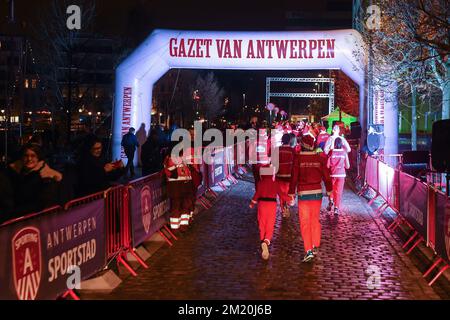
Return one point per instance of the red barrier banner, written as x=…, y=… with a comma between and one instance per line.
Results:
x=431, y=204
x=240, y=152
x=413, y=204
x=372, y=173
x=39, y=253
x=149, y=208
x=442, y=226
x=229, y=160
x=388, y=184
x=216, y=172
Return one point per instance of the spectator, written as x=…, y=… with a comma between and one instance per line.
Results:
x=33, y=184
x=129, y=144
x=94, y=173
x=151, y=157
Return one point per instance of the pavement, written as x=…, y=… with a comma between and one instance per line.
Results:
x=219, y=258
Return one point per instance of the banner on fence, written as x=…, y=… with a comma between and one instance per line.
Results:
x=413, y=204
x=149, y=208
x=442, y=226
x=44, y=255
x=388, y=184
x=216, y=172
x=230, y=162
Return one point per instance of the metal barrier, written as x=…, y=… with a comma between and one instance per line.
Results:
x=420, y=206
x=115, y=206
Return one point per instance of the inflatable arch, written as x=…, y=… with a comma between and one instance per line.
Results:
x=285, y=50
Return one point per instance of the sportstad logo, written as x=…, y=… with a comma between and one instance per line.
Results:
x=27, y=266
x=146, y=207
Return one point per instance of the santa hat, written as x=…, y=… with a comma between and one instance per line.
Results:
x=307, y=142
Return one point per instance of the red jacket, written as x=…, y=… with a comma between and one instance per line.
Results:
x=176, y=172
x=322, y=139
x=338, y=162
x=259, y=150
x=285, y=160
x=308, y=171
x=267, y=190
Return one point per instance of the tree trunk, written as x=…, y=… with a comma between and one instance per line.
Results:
x=446, y=94
x=413, y=118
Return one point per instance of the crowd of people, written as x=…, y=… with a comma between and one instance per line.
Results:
x=308, y=157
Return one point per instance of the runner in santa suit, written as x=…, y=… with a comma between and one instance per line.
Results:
x=260, y=152
x=308, y=171
x=179, y=189
x=283, y=176
x=337, y=162
x=322, y=138
x=330, y=141
x=266, y=198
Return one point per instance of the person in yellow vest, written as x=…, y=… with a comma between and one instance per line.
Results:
x=179, y=189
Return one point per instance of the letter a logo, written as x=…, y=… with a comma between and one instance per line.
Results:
x=26, y=253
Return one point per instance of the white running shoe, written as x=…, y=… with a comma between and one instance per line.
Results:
x=309, y=256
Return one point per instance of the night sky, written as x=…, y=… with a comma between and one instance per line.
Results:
x=135, y=19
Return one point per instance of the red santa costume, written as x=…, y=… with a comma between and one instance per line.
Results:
x=338, y=162
x=322, y=138
x=283, y=176
x=308, y=171
x=260, y=152
x=179, y=190
x=266, y=198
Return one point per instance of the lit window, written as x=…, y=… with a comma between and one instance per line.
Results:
x=27, y=84
x=33, y=83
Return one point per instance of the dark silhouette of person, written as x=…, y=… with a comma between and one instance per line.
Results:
x=130, y=144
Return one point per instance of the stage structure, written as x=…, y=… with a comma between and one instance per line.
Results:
x=329, y=95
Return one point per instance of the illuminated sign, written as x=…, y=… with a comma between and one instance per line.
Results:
x=166, y=49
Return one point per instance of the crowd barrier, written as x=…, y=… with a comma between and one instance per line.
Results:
x=422, y=207
x=91, y=232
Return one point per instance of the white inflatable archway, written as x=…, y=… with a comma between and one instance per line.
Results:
x=285, y=50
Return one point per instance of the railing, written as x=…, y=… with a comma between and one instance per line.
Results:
x=420, y=206
x=92, y=231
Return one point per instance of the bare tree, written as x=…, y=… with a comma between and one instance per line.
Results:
x=211, y=95
x=403, y=50
x=57, y=46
